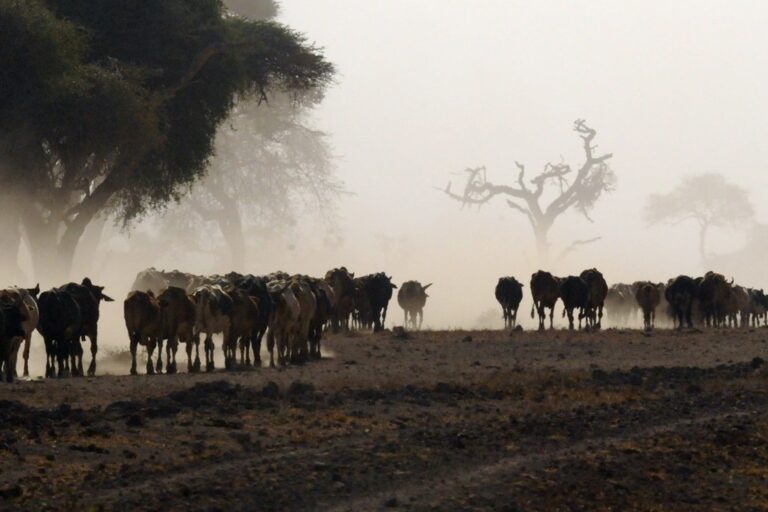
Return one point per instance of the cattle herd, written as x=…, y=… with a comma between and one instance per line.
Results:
x=294, y=311
x=710, y=300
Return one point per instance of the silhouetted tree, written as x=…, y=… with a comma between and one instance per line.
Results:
x=707, y=199
x=573, y=189
x=269, y=167
x=114, y=106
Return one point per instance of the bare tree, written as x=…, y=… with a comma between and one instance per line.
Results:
x=707, y=199
x=578, y=189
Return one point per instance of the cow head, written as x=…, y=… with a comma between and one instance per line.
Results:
x=97, y=291
x=34, y=291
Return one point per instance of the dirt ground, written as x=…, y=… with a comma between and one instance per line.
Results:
x=449, y=420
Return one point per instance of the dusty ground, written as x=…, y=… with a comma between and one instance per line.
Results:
x=442, y=421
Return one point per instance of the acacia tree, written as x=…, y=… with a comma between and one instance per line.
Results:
x=113, y=106
x=269, y=165
x=555, y=190
x=707, y=199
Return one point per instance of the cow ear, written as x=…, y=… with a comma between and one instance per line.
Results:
x=393, y=285
x=34, y=291
x=352, y=274
x=107, y=298
x=427, y=286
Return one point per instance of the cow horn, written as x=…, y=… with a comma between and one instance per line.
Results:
x=731, y=280
x=426, y=286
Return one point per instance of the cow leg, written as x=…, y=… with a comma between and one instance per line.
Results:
x=150, y=344
x=49, y=357
x=94, y=348
x=159, y=366
x=271, y=347
x=208, y=346
x=256, y=342
x=133, y=343
x=552, y=317
x=27, y=343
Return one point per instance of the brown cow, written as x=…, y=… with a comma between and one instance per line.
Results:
x=245, y=316
x=178, y=313
x=341, y=282
x=144, y=322
x=545, y=290
x=648, y=297
x=26, y=299
x=284, y=322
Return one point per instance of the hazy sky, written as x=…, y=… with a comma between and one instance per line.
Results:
x=427, y=88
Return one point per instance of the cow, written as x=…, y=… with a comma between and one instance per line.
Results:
x=598, y=290
x=621, y=304
x=738, y=307
x=178, y=315
x=26, y=299
x=244, y=328
x=545, y=290
x=343, y=286
x=59, y=325
x=714, y=294
x=88, y=297
x=150, y=279
x=378, y=290
x=757, y=306
x=213, y=310
x=325, y=300
x=648, y=297
x=299, y=347
x=256, y=287
x=681, y=293
x=144, y=322
x=362, y=317
x=412, y=297
x=509, y=293
x=12, y=333
x=574, y=293
x=283, y=322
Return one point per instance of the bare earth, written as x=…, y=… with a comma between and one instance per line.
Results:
x=442, y=421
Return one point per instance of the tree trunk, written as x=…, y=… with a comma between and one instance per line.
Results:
x=703, y=241
x=10, y=234
x=231, y=225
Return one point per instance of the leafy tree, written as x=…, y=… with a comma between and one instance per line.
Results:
x=554, y=191
x=114, y=106
x=707, y=199
x=269, y=165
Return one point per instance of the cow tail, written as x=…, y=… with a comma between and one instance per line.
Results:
x=532, y=307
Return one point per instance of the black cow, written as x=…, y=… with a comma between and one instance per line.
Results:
x=378, y=290
x=256, y=287
x=575, y=295
x=545, y=289
x=509, y=293
x=59, y=325
x=88, y=297
x=11, y=335
x=598, y=291
x=680, y=293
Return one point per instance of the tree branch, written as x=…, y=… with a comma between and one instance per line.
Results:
x=576, y=245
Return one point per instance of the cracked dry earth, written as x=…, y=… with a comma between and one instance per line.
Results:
x=443, y=421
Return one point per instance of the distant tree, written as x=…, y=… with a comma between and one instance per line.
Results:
x=554, y=191
x=707, y=199
x=269, y=166
x=114, y=106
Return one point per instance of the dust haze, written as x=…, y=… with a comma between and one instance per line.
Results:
x=426, y=89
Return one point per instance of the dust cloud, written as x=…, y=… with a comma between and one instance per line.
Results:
x=426, y=89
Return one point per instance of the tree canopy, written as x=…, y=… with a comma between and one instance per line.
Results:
x=708, y=199
x=116, y=105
